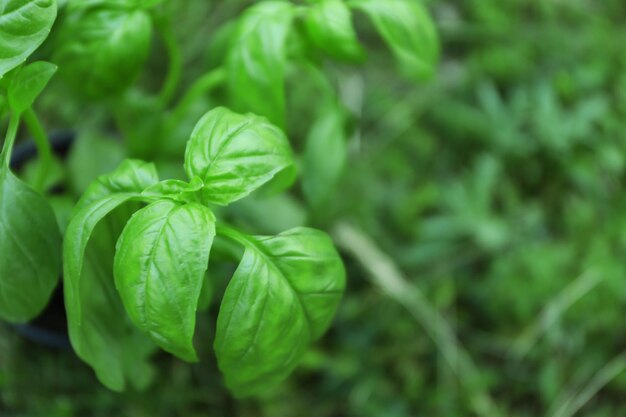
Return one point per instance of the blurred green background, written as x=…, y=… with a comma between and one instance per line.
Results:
x=481, y=220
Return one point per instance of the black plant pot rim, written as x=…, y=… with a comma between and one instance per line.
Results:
x=36, y=331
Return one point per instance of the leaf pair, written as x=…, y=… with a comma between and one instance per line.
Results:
x=163, y=252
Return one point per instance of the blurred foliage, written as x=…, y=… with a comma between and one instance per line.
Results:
x=496, y=188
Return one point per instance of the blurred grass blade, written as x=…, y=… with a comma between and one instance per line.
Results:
x=386, y=275
x=553, y=311
x=603, y=377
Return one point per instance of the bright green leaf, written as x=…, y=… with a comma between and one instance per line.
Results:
x=162, y=256
x=27, y=83
x=30, y=259
x=282, y=297
x=408, y=30
x=329, y=26
x=256, y=62
x=235, y=154
x=24, y=25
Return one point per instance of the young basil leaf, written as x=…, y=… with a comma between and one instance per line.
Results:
x=256, y=62
x=106, y=339
x=235, y=154
x=101, y=51
x=110, y=191
x=408, y=30
x=162, y=256
x=283, y=296
x=24, y=25
x=27, y=83
x=30, y=261
x=325, y=155
x=329, y=26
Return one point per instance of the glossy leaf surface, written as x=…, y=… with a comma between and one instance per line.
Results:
x=283, y=296
x=30, y=259
x=24, y=25
x=235, y=154
x=160, y=264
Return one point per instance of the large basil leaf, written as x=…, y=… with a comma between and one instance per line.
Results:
x=30, y=259
x=329, y=26
x=325, y=155
x=103, y=196
x=101, y=51
x=256, y=62
x=162, y=256
x=235, y=154
x=408, y=30
x=283, y=296
x=24, y=25
x=106, y=338
x=27, y=83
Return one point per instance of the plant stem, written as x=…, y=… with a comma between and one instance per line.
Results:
x=201, y=86
x=386, y=275
x=43, y=147
x=175, y=62
x=9, y=139
x=234, y=234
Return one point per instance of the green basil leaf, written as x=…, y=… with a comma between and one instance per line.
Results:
x=282, y=296
x=329, y=26
x=235, y=154
x=27, y=83
x=408, y=30
x=256, y=62
x=30, y=261
x=24, y=25
x=106, y=339
x=162, y=256
x=324, y=156
x=107, y=193
x=101, y=51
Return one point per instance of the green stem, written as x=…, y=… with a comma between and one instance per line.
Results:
x=175, y=62
x=235, y=235
x=43, y=147
x=201, y=86
x=9, y=139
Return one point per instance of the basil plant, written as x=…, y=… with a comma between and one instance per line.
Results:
x=281, y=298
x=30, y=240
